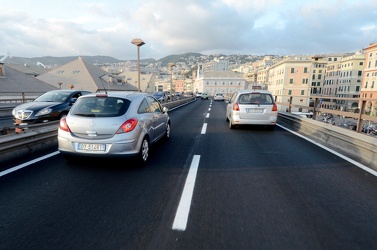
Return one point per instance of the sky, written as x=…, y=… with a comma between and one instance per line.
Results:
x=37, y=28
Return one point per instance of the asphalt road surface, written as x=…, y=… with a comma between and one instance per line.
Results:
x=208, y=187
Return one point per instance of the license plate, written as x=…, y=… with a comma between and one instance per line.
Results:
x=254, y=110
x=92, y=147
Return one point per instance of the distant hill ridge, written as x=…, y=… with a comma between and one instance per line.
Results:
x=99, y=60
x=103, y=60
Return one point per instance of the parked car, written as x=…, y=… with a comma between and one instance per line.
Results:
x=113, y=124
x=47, y=107
x=204, y=96
x=160, y=96
x=252, y=107
x=219, y=97
x=198, y=94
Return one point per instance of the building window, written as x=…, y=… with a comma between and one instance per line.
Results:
x=302, y=92
x=305, y=70
x=289, y=92
x=291, y=81
x=357, y=88
x=292, y=70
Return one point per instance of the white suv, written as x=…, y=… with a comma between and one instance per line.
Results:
x=252, y=107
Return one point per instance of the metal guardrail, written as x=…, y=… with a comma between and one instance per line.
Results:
x=360, y=147
x=318, y=105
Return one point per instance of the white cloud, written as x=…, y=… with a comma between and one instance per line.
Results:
x=94, y=27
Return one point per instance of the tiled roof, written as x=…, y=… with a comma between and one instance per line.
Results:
x=15, y=82
x=83, y=76
x=147, y=81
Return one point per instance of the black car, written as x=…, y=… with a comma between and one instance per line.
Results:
x=49, y=106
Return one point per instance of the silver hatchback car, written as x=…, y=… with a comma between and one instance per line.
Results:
x=252, y=107
x=113, y=124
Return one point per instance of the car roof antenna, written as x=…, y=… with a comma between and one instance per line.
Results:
x=102, y=83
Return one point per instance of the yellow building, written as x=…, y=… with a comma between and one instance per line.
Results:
x=291, y=77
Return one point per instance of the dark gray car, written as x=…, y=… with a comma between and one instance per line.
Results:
x=50, y=106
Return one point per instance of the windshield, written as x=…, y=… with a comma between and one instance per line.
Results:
x=53, y=97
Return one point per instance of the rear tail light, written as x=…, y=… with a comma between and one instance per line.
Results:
x=63, y=124
x=274, y=107
x=236, y=107
x=127, y=126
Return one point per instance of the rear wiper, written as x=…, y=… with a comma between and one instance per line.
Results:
x=87, y=115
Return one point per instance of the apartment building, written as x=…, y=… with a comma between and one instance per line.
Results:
x=369, y=82
x=262, y=76
x=291, y=78
x=350, y=78
x=216, y=65
x=332, y=79
x=318, y=72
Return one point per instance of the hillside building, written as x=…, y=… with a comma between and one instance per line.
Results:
x=369, y=82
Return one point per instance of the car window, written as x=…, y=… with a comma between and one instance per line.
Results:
x=255, y=98
x=144, y=107
x=100, y=106
x=53, y=97
x=154, y=105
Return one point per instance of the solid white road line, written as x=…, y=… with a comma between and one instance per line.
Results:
x=373, y=172
x=8, y=171
x=204, y=128
x=181, y=216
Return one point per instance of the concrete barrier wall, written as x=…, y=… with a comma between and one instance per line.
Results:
x=360, y=147
x=357, y=146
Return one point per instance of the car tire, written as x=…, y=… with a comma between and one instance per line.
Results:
x=231, y=125
x=144, y=151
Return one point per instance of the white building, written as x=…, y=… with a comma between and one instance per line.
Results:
x=212, y=82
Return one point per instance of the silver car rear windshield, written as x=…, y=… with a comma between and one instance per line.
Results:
x=255, y=98
x=100, y=107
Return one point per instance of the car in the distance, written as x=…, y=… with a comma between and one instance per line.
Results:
x=113, y=124
x=218, y=97
x=49, y=106
x=252, y=107
x=160, y=96
x=204, y=96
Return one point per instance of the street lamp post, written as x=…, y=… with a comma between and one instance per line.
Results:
x=138, y=42
x=171, y=65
